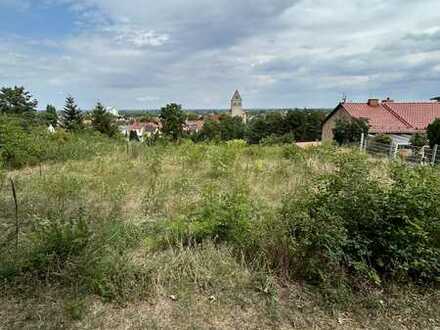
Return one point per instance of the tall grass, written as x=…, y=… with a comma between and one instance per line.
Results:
x=130, y=221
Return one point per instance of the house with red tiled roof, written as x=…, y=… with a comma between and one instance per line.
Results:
x=193, y=126
x=141, y=130
x=385, y=117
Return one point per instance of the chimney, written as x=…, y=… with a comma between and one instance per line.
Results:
x=373, y=102
x=388, y=100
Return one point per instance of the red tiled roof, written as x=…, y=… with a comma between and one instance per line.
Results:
x=417, y=115
x=194, y=124
x=395, y=117
x=135, y=125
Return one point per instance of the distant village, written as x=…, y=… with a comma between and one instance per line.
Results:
x=399, y=120
x=147, y=126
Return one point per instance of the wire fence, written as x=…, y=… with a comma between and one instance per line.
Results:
x=406, y=153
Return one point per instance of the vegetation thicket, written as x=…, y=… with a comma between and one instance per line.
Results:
x=226, y=224
x=105, y=233
x=350, y=131
x=433, y=133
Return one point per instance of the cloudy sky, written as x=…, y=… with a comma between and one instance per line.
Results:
x=278, y=53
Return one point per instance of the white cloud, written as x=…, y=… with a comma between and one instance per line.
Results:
x=279, y=52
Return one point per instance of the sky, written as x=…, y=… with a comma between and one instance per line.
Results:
x=143, y=54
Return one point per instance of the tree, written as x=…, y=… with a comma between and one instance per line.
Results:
x=419, y=140
x=265, y=125
x=103, y=121
x=17, y=101
x=210, y=130
x=433, y=133
x=50, y=115
x=232, y=128
x=349, y=131
x=133, y=136
x=172, y=118
x=72, y=116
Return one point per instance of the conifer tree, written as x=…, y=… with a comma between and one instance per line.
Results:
x=72, y=116
x=103, y=121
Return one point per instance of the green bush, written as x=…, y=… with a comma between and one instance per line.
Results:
x=350, y=131
x=419, y=140
x=222, y=217
x=383, y=139
x=78, y=253
x=24, y=144
x=433, y=133
x=356, y=223
x=292, y=152
x=20, y=143
x=288, y=138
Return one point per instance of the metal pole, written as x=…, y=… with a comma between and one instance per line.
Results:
x=362, y=141
x=434, y=155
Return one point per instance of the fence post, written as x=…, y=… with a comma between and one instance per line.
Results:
x=391, y=152
x=396, y=150
x=434, y=155
x=362, y=141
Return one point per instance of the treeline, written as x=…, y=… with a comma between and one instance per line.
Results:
x=26, y=134
x=269, y=127
x=29, y=137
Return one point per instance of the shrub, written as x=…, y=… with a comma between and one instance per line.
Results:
x=222, y=217
x=292, y=152
x=433, y=132
x=419, y=140
x=20, y=143
x=382, y=139
x=288, y=138
x=350, y=131
x=356, y=223
x=77, y=253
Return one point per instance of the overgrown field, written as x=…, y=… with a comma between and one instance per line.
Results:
x=220, y=236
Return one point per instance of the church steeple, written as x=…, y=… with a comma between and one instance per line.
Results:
x=236, y=100
x=236, y=95
x=236, y=106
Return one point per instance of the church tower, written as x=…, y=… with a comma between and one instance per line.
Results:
x=237, y=106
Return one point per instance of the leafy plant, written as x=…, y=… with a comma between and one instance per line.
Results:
x=382, y=139
x=419, y=140
x=433, y=132
x=17, y=101
x=173, y=118
x=349, y=131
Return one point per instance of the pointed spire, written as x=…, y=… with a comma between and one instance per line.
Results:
x=236, y=95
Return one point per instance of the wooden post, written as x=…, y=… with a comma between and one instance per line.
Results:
x=17, y=225
x=434, y=155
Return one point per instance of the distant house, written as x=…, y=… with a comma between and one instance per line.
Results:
x=398, y=119
x=193, y=126
x=141, y=130
x=113, y=111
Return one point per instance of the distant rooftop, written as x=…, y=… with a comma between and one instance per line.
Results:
x=388, y=116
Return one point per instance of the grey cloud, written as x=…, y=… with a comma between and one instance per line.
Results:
x=278, y=53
